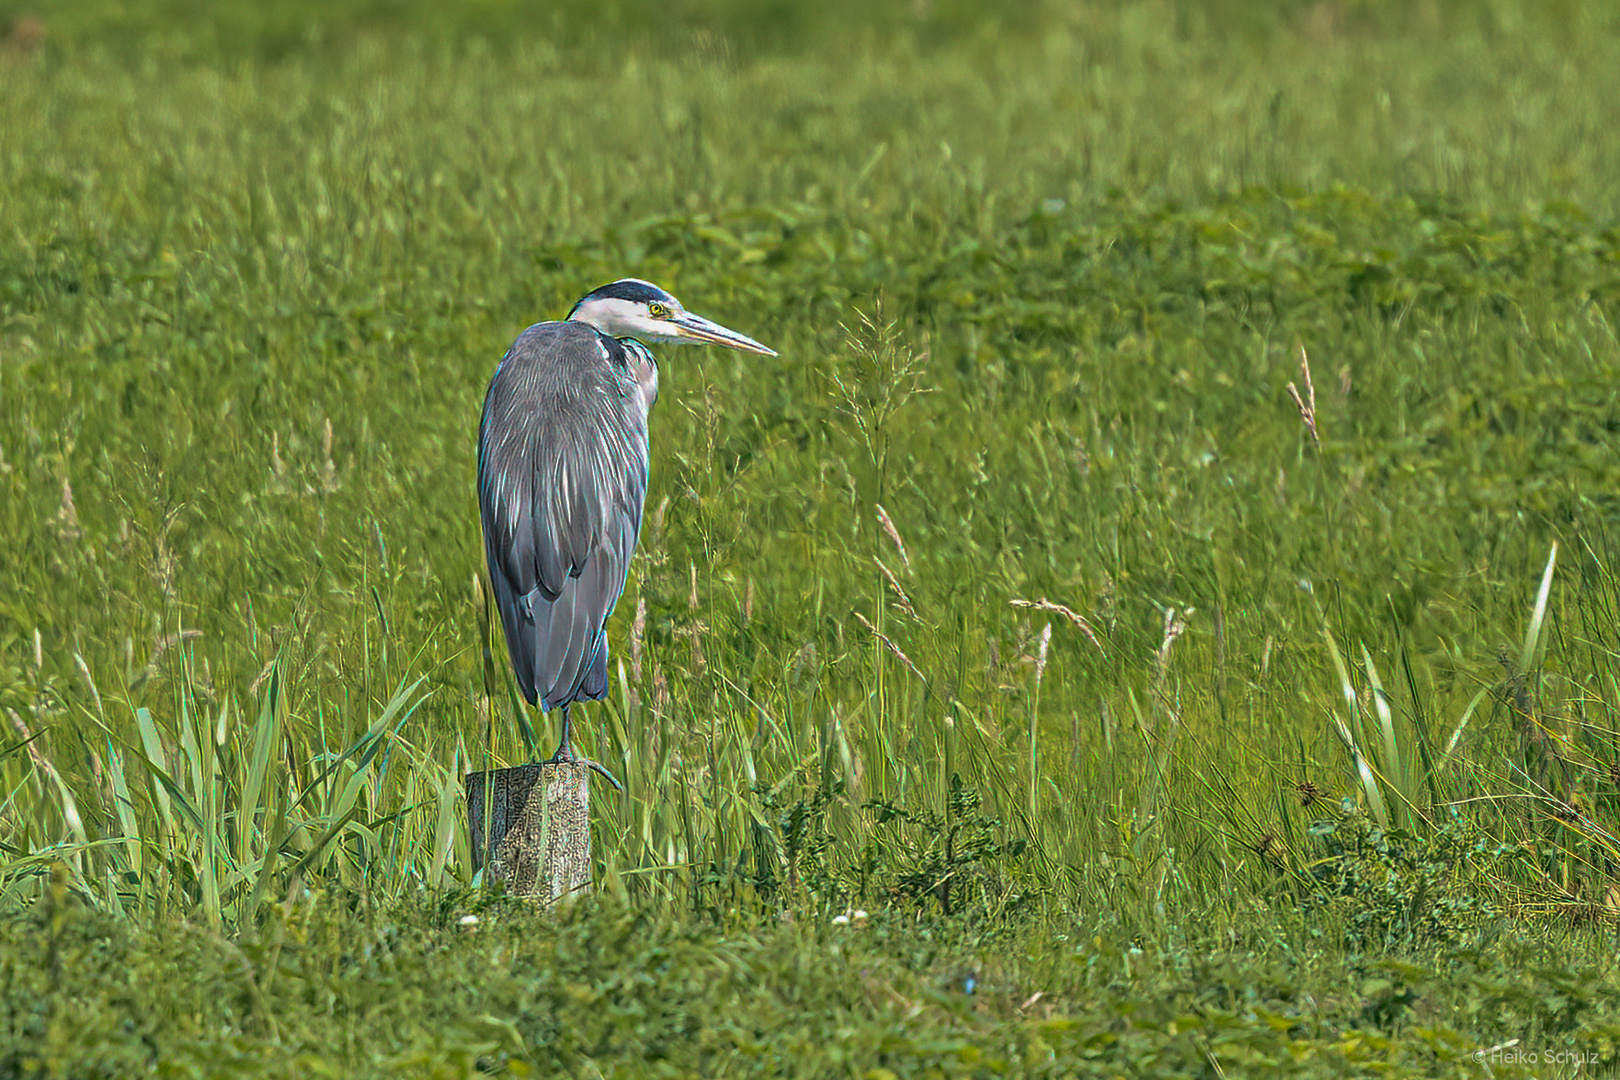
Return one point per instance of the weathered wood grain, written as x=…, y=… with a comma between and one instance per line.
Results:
x=539, y=828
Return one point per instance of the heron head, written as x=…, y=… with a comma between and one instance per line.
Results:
x=632, y=308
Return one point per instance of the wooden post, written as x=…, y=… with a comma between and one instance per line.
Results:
x=539, y=828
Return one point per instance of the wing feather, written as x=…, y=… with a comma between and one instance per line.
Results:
x=562, y=476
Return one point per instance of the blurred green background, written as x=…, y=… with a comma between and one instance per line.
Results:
x=1337, y=698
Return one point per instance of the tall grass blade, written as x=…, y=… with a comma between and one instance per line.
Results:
x=1364, y=772
x=266, y=736
x=1462, y=725
x=1538, y=615
x=124, y=808
x=1394, y=767
x=156, y=763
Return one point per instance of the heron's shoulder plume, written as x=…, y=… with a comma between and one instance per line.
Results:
x=542, y=339
x=560, y=356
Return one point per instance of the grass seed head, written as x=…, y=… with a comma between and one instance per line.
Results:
x=1078, y=621
x=1270, y=849
x=890, y=645
x=1307, y=401
x=900, y=594
x=638, y=631
x=1040, y=655
x=894, y=535
x=66, y=521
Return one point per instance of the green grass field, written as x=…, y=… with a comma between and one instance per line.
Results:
x=1160, y=728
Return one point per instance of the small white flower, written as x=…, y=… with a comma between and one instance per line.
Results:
x=469, y=920
x=860, y=915
x=840, y=920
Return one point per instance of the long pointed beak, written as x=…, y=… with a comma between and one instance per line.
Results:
x=696, y=328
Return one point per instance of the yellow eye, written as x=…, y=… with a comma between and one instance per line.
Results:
x=657, y=310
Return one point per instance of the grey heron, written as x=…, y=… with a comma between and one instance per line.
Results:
x=562, y=474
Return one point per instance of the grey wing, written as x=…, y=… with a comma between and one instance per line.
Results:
x=561, y=480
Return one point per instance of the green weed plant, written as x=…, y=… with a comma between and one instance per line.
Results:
x=1157, y=615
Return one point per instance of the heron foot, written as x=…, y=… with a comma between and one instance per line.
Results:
x=568, y=757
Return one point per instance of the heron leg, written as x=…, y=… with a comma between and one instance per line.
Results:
x=565, y=748
x=565, y=754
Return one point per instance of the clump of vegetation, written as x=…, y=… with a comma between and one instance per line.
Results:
x=1403, y=892
x=1012, y=604
x=952, y=863
x=490, y=985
